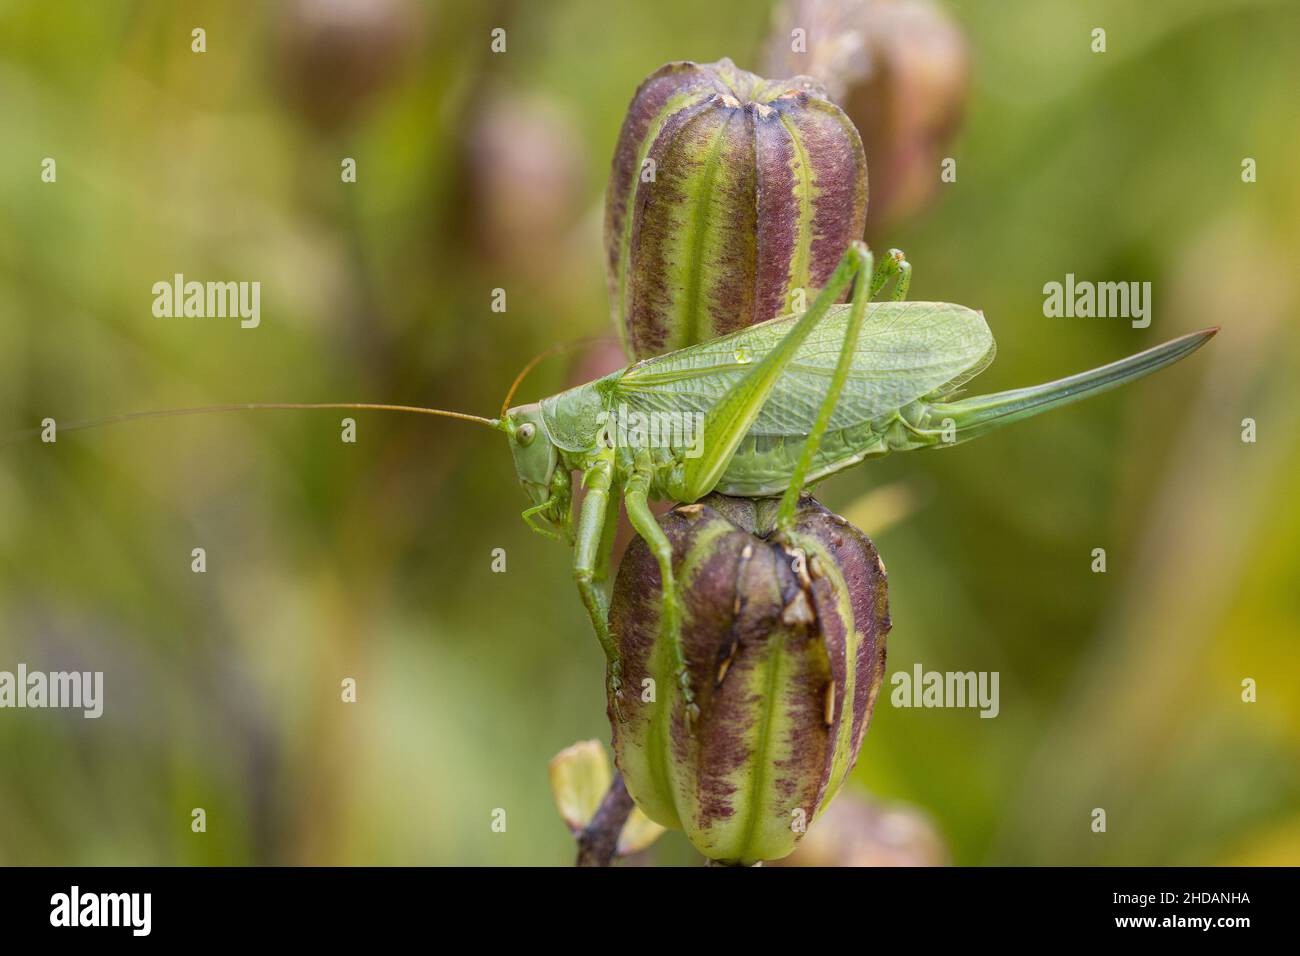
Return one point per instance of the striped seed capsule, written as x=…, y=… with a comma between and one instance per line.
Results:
x=786, y=669
x=730, y=200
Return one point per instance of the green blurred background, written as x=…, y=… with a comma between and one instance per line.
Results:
x=479, y=171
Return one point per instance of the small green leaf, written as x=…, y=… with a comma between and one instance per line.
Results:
x=580, y=775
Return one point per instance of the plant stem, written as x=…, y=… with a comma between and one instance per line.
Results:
x=598, y=843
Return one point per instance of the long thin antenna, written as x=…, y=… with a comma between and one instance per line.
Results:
x=265, y=406
x=545, y=354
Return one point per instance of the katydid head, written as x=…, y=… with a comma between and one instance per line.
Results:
x=534, y=452
x=537, y=456
x=537, y=463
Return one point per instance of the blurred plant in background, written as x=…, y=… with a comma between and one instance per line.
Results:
x=900, y=69
x=858, y=831
x=335, y=57
x=373, y=561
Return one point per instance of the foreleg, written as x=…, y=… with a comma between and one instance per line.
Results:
x=587, y=554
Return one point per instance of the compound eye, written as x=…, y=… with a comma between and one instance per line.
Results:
x=525, y=433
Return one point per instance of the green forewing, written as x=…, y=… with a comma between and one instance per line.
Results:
x=906, y=351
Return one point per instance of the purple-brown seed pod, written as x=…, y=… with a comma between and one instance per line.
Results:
x=728, y=193
x=785, y=646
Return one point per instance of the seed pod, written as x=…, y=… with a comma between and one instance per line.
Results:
x=785, y=647
x=728, y=192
